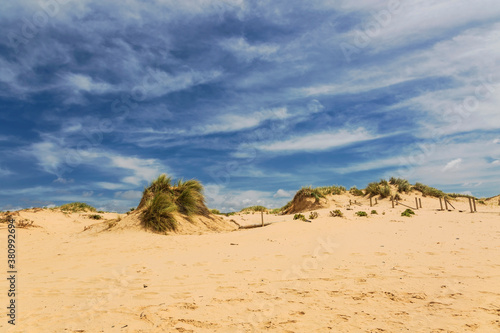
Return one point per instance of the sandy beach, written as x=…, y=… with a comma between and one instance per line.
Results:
x=435, y=272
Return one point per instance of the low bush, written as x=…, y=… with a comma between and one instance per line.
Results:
x=374, y=212
x=313, y=215
x=95, y=217
x=299, y=217
x=408, y=213
x=215, y=211
x=361, y=213
x=336, y=213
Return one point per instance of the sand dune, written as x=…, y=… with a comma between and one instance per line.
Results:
x=435, y=272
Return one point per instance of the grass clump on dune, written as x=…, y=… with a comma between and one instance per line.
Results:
x=429, y=191
x=403, y=185
x=76, y=207
x=382, y=189
x=255, y=209
x=159, y=214
x=162, y=198
x=357, y=192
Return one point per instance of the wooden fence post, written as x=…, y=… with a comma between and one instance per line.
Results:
x=474, y=201
x=420, y=202
x=262, y=217
x=441, y=203
x=446, y=204
x=371, y=203
x=416, y=202
x=470, y=205
x=392, y=200
x=376, y=201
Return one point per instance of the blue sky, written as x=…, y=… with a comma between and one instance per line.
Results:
x=253, y=98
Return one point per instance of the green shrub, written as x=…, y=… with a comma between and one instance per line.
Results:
x=482, y=202
x=215, y=211
x=76, y=207
x=101, y=212
x=408, y=213
x=361, y=213
x=131, y=209
x=158, y=215
x=313, y=215
x=374, y=212
x=384, y=182
x=299, y=217
x=275, y=211
x=355, y=191
x=229, y=214
x=336, y=213
x=95, y=217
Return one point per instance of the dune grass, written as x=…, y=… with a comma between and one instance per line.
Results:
x=357, y=192
x=162, y=198
x=76, y=207
x=403, y=185
x=254, y=209
x=382, y=189
x=158, y=215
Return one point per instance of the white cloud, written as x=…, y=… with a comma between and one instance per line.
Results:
x=143, y=170
x=87, y=194
x=455, y=164
x=129, y=195
x=110, y=186
x=86, y=83
x=283, y=194
x=5, y=172
x=318, y=141
x=247, y=52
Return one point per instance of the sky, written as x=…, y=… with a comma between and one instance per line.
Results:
x=253, y=98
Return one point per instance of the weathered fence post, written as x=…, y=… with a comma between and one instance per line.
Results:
x=420, y=202
x=441, y=203
x=371, y=202
x=446, y=204
x=392, y=200
x=474, y=201
x=376, y=201
x=416, y=202
x=262, y=217
x=470, y=205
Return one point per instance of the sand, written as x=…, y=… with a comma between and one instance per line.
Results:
x=435, y=272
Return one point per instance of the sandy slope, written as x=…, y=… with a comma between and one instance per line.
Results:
x=436, y=272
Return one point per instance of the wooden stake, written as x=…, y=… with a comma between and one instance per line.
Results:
x=420, y=202
x=371, y=202
x=441, y=203
x=392, y=199
x=446, y=204
x=262, y=217
x=470, y=205
x=474, y=201
x=416, y=202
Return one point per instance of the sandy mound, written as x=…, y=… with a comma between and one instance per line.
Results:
x=196, y=224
